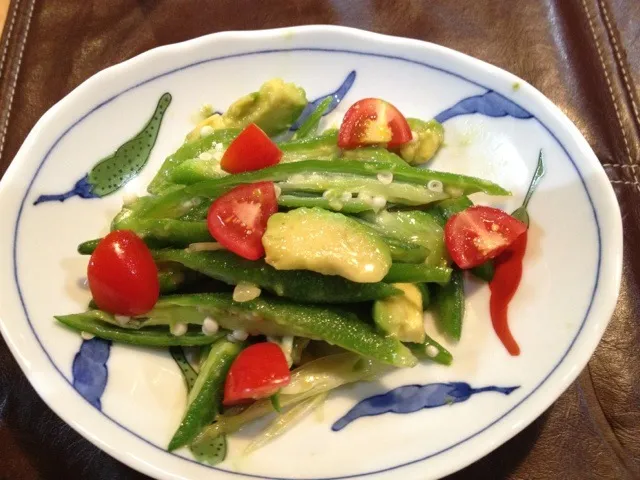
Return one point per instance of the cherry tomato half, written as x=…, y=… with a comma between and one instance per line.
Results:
x=258, y=372
x=373, y=121
x=122, y=275
x=479, y=233
x=238, y=219
x=251, y=150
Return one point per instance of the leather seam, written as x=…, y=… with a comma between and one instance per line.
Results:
x=620, y=61
x=617, y=165
x=5, y=50
x=610, y=87
x=23, y=43
x=623, y=182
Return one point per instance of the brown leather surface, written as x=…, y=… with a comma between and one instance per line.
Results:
x=583, y=54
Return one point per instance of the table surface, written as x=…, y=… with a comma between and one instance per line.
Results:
x=583, y=54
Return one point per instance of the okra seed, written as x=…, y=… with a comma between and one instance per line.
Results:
x=435, y=186
x=385, y=178
x=178, y=329
x=431, y=351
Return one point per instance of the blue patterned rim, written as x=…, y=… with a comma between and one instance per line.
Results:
x=325, y=50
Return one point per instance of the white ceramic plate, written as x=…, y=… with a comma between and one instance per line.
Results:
x=571, y=276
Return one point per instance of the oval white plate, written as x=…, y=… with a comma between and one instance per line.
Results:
x=569, y=289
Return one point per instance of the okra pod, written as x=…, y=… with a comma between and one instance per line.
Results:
x=417, y=273
x=206, y=394
x=179, y=201
x=272, y=317
x=188, y=150
x=299, y=285
x=310, y=125
x=449, y=305
x=431, y=350
x=93, y=322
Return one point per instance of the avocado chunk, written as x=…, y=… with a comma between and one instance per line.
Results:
x=325, y=242
x=400, y=316
x=210, y=124
x=428, y=137
x=274, y=108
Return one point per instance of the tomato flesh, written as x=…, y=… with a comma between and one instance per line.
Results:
x=480, y=233
x=238, y=219
x=122, y=275
x=258, y=372
x=372, y=121
x=251, y=150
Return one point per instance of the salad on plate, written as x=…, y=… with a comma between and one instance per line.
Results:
x=279, y=262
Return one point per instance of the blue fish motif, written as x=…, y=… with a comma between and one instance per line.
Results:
x=336, y=97
x=412, y=398
x=89, y=370
x=491, y=104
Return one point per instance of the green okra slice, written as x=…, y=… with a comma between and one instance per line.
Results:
x=299, y=285
x=310, y=126
x=273, y=317
x=187, y=151
x=413, y=227
x=311, y=200
x=374, y=154
x=206, y=394
x=449, y=305
x=431, y=350
x=103, y=325
x=345, y=174
x=417, y=273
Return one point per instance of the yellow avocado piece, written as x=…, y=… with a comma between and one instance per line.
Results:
x=401, y=315
x=325, y=242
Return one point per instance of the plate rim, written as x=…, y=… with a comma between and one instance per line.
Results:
x=274, y=33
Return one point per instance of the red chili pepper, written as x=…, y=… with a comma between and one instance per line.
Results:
x=508, y=272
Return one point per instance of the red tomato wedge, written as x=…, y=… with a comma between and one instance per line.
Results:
x=122, y=275
x=373, y=121
x=251, y=150
x=258, y=372
x=238, y=219
x=479, y=233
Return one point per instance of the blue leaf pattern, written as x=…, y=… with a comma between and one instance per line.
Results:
x=89, y=370
x=412, y=398
x=491, y=104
